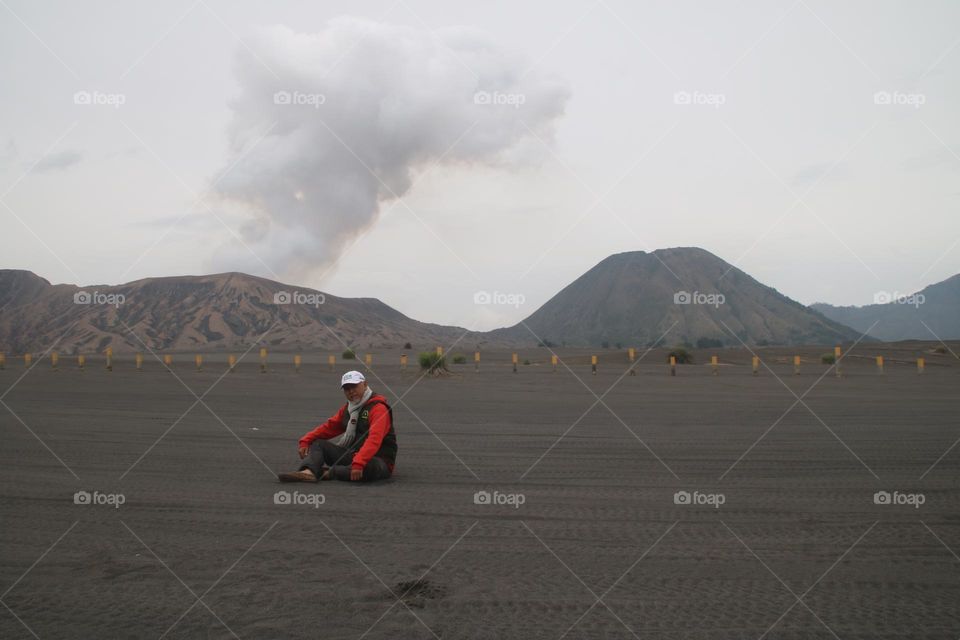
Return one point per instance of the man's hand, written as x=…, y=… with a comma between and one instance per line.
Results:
x=303, y=452
x=356, y=474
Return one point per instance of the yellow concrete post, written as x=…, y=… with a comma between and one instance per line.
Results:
x=632, y=355
x=55, y=360
x=921, y=365
x=439, y=350
x=81, y=361
x=403, y=362
x=796, y=365
x=109, y=358
x=593, y=365
x=198, y=359
x=331, y=360
x=514, y=358
x=756, y=365
x=673, y=365
x=880, y=365
x=168, y=360
x=714, y=365
x=553, y=361
x=139, y=359
x=27, y=359
x=263, y=359
x=476, y=361
x=231, y=362
x=836, y=359
x=3, y=361
x=296, y=363
x=369, y=360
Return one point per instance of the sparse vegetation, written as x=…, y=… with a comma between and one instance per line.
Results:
x=432, y=362
x=828, y=358
x=407, y=345
x=526, y=362
x=349, y=354
x=459, y=359
x=940, y=349
x=682, y=355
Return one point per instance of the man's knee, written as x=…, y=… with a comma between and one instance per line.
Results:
x=322, y=448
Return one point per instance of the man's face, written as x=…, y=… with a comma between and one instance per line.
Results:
x=354, y=391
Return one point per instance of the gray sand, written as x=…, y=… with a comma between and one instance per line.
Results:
x=598, y=518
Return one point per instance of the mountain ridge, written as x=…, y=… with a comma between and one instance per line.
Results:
x=217, y=311
x=933, y=313
x=672, y=296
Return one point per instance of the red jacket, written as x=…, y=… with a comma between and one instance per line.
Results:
x=379, y=426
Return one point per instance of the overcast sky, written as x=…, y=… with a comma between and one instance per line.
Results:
x=419, y=152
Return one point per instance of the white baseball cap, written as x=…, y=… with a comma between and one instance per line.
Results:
x=352, y=377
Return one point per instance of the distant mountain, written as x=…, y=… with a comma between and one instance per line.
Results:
x=628, y=298
x=930, y=314
x=223, y=311
x=634, y=298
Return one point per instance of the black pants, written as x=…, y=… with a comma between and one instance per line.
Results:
x=324, y=453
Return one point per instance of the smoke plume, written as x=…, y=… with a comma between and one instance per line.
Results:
x=329, y=126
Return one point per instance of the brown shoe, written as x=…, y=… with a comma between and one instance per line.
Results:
x=304, y=475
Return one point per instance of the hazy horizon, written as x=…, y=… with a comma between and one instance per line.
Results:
x=417, y=152
x=359, y=294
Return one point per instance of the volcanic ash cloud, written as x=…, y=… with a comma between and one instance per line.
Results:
x=329, y=126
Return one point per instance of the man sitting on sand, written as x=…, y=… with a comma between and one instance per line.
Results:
x=356, y=443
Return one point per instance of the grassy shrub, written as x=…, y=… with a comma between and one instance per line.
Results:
x=349, y=354
x=407, y=345
x=459, y=359
x=682, y=355
x=526, y=362
x=828, y=358
x=432, y=362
